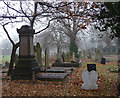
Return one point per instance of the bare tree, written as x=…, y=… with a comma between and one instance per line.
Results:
x=81, y=15
x=33, y=13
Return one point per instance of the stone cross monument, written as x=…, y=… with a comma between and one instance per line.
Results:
x=26, y=59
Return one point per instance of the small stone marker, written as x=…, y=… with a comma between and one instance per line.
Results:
x=63, y=58
x=103, y=60
x=84, y=54
x=73, y=56
x=91, y=67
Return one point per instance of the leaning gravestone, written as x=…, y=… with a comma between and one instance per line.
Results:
x=89, y=77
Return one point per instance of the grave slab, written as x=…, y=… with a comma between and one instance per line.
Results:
x=52, y=76
x=66, y=64
x=60, y=69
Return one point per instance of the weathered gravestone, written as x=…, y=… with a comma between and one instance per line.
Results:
x=47, y=57
x=84, y=54
x=89, y=77
x=73, y=56
x=26, y=61
x=38, y=54
x=98, y=56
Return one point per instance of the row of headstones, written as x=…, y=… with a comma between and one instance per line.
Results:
x=67, y=58
x=87, y=54
x=38, y=55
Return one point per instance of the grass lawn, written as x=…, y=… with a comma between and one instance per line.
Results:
x=107, y=84
x=4, y=58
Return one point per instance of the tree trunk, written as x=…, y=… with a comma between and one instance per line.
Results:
x=73, y=46
x=58, y=52
x=12, y=59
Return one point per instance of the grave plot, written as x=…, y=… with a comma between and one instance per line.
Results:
x=65, y=64
x=60, y=69
x=55, y=73
x=52, y=76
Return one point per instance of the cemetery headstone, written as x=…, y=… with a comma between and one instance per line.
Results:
x=46, y=57
x=98, y=55
x=73, y=56
x=39, y=54
x=91, y=67
x=84, y=54
x=63, y=58
x=89, y=79
x=103, y=60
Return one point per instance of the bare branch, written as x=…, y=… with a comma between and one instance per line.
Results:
x=12, y=8
x=24, y=12
x=49, y=5
x=8, y=35
x=49, y=24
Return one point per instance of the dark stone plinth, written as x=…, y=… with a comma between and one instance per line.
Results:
x=103, y=60
x=65, y=64
x=59, y=69
x=23, y=68
x=91, y=67
x=52, y=76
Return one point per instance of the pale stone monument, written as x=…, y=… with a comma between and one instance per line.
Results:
x=26, y=61
x=89, y=78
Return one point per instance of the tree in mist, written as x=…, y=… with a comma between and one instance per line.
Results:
x=27, y=12
x=76, y=16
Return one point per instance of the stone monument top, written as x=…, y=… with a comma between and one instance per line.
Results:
x=26, y=29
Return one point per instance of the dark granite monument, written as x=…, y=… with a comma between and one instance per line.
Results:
x=103, y=60
x=91, y=67
x=26, y=61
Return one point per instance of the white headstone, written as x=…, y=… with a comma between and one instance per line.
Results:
x=89, y=79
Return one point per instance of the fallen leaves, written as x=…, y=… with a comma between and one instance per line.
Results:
x=107, y=85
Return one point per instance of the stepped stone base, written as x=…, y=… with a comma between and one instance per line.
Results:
x=23, y=68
